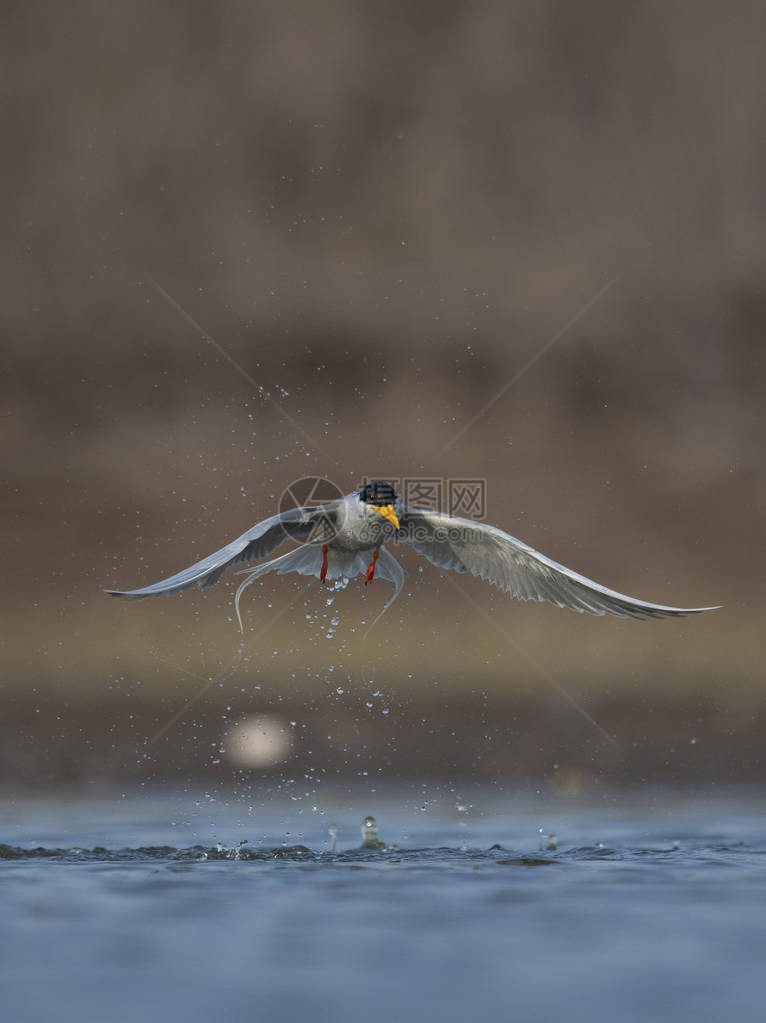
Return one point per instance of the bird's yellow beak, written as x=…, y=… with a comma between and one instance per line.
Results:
x=387, y=511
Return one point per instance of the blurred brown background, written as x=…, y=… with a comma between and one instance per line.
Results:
x=383, y=212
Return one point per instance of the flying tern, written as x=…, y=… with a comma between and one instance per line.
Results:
x=347, y=537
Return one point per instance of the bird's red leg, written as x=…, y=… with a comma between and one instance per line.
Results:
x=323, y=572
x=371, y=568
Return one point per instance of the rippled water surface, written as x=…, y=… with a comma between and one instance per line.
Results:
x=154, y=909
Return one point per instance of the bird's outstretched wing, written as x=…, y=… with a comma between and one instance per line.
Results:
x=462, y=545
x=257, y=542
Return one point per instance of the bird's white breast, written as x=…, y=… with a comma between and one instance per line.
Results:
x=361, y=528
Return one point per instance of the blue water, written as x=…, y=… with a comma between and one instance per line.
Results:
x=139, y=909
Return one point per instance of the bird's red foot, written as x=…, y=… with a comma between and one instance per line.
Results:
x=371, y=568
x=323, y=572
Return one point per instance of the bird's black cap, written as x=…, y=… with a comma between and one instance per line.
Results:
x=378, y=492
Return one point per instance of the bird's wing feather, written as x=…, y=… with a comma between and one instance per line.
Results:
x=462, y=545
x=257, y=542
